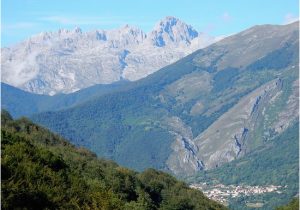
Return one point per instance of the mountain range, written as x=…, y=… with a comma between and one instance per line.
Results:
x=209, y=108
x=52, y=62
x=229, y=107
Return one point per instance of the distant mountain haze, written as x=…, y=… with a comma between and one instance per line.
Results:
x=69, y=60
x=23, y=103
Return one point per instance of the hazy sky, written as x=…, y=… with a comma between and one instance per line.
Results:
x=23, y=18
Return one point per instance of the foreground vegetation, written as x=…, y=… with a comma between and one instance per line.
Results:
x=293, y=205
x=40, y=170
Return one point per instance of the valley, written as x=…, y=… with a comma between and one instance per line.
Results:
x=222, y=116
x=150, y=105
x=183, y=126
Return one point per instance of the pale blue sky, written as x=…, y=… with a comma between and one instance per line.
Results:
x=23, y=18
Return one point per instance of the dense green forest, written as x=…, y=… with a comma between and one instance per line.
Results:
x=275, y=165
x=293, y=205
x=22, y=103
x=41, y=170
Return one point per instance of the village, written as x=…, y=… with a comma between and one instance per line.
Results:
x=222, y=193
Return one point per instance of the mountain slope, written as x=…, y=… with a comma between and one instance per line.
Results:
x=22, y=103
x=170, y=120
x=40, y=170
x=52, y=62
x=247, y=124
x=277, y=164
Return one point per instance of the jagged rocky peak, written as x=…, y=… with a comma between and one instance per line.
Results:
x=125, y=36
x=171, y=30
x=70, y=33
x=136, y=33
x=43, y=36
x=63, y=31
x=77, y=30
x=168, y=42
x=60, y=33
x=100, y=35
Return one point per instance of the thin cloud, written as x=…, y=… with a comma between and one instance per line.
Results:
x=68, y=20
x=209, y=28
x=19, y=25
x=226, y=17
x=290, y=18
x=63, y=20
x=57, y=19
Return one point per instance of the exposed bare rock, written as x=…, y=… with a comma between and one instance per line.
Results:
x=183, y=159
x=224, y=140
x=291, y=111
x=68, y=60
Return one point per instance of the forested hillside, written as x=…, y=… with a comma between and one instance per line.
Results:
x=22, y=103
x=41, y=170
x=293, y=205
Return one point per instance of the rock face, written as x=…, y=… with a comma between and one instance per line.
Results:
x=66, y=61
x=184, y=155
x=287, y=116
x=227, y=138
x=171, y=31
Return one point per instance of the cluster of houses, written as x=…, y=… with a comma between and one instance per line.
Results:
x=222, y=193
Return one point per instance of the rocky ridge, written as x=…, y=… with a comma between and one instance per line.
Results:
x=68, y=60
